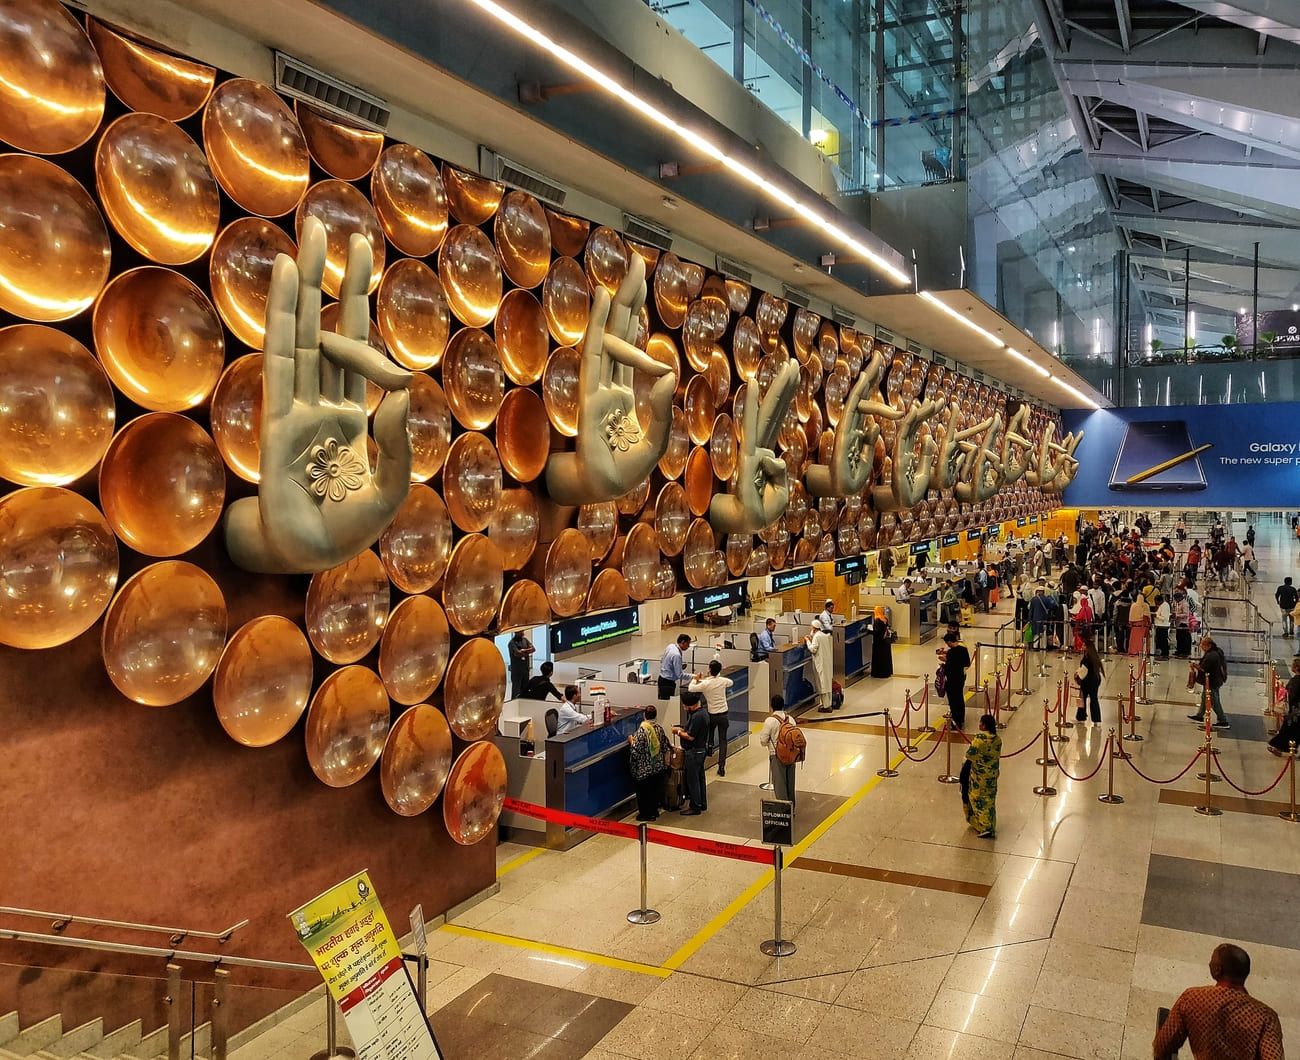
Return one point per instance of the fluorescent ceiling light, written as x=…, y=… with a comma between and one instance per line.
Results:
x=1071, y=390
x=961, y=318
x=706, y=147
x=1028, y=363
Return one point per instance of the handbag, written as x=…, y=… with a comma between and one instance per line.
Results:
x=1080, y=673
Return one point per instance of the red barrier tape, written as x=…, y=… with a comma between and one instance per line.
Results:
x=571, y=820
x=714, y=847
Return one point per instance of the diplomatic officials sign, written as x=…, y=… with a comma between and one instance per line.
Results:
x=583, y=632
x=1193, y=456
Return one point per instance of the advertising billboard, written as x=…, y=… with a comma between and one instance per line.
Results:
x=1187, y=456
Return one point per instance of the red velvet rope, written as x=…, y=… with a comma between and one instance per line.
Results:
x=1079, y=780
x=1022, y=750
x=911, y=757
x=1262, y=791
x=1172, y=779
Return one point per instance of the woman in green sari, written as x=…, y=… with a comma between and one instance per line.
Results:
x=980, y=790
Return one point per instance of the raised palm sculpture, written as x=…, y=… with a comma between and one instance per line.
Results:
x=1017, y=449
x=614, y=451
x=913, y=464
x=1045, y=469
x=761, y=487
x=1067, y=467
x=855, y=441
x=984, y=477
x=318, y=502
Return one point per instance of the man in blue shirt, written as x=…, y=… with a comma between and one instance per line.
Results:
x=767, y=638
x=672, y=665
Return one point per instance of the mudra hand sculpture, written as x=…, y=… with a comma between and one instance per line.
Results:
x=1068, y=466
x=950, y=457
x=1017, y=449
x=318, y=503
x=855, y=441
x=614, y=450
x=762, y=484
x=981, y=465
x=912, y=470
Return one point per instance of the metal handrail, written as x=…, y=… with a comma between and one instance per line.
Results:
x=134, y=950
x=59, y=921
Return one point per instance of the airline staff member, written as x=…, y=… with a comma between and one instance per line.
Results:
x=672, y=665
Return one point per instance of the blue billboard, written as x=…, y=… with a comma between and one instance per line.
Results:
x=1187, y=456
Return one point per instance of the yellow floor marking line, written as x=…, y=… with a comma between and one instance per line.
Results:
x=522, y=859
x=751, y=892
x=557, y=951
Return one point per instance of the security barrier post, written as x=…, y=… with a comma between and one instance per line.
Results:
x=1045, y=789
x=1291, y=814
x=908, y=746
x=1118, y=750
x=886, y=771
x=947, y=777
x=1209, y=775
x=777, y=946
x=1110, y=797
x=643, y=915
x=925, y=706
x=1209, y=751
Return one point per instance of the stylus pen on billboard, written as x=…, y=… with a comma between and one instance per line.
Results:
x=1142, y=476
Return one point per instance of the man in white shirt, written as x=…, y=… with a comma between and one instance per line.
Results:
x=714, y=690
x=1164, y=615
x=782, y=774
x=825, y=617
x=904, y=592
x=570, y=716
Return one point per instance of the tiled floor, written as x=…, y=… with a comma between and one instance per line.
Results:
x=916, y=940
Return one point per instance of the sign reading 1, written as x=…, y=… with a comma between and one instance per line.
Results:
x=950, y=540
x=850, y=565
x=592, y=629
x=992, y=532
x=920, y=548
x=791, y=579
x=711, y=599
x=973, y=535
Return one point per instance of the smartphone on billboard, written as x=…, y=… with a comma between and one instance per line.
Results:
x=1150, y=443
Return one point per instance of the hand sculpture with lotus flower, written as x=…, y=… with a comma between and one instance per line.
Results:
x=318, y=502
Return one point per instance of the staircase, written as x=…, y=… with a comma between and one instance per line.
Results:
x=47, y=1040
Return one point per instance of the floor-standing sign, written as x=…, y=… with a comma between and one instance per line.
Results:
x=353, y=944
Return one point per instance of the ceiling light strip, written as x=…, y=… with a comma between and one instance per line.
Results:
x=1029, y=363
x=1075, y=392
x=961, y=318
x=695, y=140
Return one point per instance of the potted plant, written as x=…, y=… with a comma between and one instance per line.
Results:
x=1230, y=345
x=1268, y=338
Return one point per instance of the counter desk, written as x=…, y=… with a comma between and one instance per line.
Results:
x=853, y=653
x=915, y=620
x=788, y=675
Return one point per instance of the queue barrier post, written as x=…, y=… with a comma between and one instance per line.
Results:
x=1009, y=706
x=644, y=914
x=1063, y=727
x=1133, y=735
x=1110, y=798
x=1024, y=671
x=1045, y=759
x=947, y=776
x=908, y=746
x=1291, y=814
x=887, y=771
x=777, y=946
x=925, y=707
x=1045, y=789
x=1210, y=752
x=332, y=1050
x=1117, y=751
x=1209, y=775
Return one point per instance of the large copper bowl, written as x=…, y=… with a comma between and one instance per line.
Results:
x=150, y=79
x=476, y=688
x=606, y=259
x=521, y=333
x=417, y=543
x=255, y=147
x=473, y=379
x=164, y=633
x=599, y=523
x=52, y=91
x=566, y=300
x=58, y=567
x=56, y=407
x=240, y=274
x=344, y=212
x=414, y=649
x=162, y=484
x=471, y=275
x=672, y=519
x=641, y=561
x=416, y=760
x=54, y=249
x=568, y=233
x=524, y=605
x=699, y=481
x=263, y=681
x=237, y=416
x=560, y=389
x=670, y=290
x=476, y=791
x=412, y=314
x=159, y=339
x=608, y=589
x=568, y=572
x=724, y=447
x=347, y=607
x=740, y=547
x=635, y=499
x=523, y=434
x=699, y=408
x=471, y=591
x=410, y=200
x=673, y=462
x=523, y=239
x=342, y=150
x=429, y=426
x=472, y=199
x=514, y=528
x=471, y=483
x=157, y=189
x=698, y=555
x=347, y=725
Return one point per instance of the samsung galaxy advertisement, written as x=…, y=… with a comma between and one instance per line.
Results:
x=1187, y=456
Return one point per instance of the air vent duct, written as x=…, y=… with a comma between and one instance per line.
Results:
x=797, y=297
x=733, y=270
x=843, y=319
x=913, y=347
x=647, y=232
x=497, y=167
x=882, y=335
x=299, y=81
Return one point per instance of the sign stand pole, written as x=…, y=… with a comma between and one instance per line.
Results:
x=643, y=915
x=332, y=1050
x=777, y=946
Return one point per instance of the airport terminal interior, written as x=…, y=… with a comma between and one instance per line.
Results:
x=624, y=529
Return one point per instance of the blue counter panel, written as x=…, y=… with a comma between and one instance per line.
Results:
x=795, y=686
x=857, y=649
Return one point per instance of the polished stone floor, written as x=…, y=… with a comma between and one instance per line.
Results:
x=1059, y=938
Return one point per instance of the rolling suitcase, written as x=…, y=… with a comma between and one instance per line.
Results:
x=675, y=781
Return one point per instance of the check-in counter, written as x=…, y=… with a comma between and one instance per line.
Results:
x=915, y=619
x=853, y=650
x=927, y=613
x=788, y=674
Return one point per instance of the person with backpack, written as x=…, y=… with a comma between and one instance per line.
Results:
x=1089, y=677
x=1286, y=596
x=1182, y=617
x=1211, y=674
x=786, y=748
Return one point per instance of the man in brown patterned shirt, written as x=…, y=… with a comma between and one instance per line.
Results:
x=1222, y=1022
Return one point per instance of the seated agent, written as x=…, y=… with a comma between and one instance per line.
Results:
x=767, y=638
x=1221, y=1022
x=570, y=716
x=541, y=686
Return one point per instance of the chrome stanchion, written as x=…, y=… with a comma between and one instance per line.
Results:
x=1110, y=797
x=332, y=1050
x=947, y=776
x=175, y=1012
x=1291, y=814
x=777, y=946
x=887, y=771
x=643, y=915
x=1045, y=789
x=925, y=706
